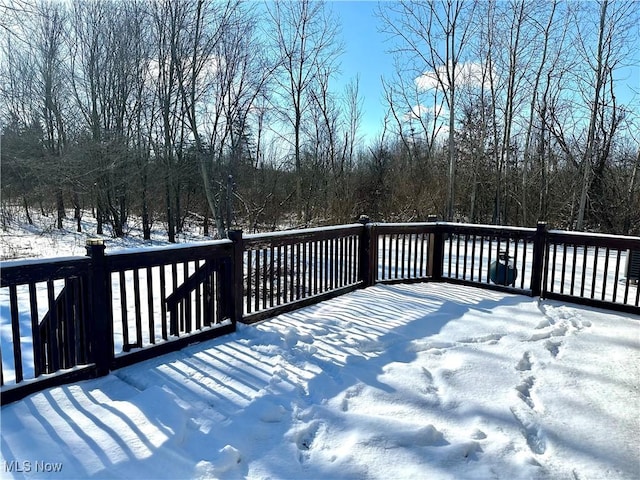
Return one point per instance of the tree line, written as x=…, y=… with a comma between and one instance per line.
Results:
x=227, y=112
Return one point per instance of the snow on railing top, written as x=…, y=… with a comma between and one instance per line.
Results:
x=596, y=235
x=164, y=248
x=481, y=226
x=300, y=231
x=31, y=262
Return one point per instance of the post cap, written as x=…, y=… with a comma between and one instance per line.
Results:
x=93, y=242
x=363, y=219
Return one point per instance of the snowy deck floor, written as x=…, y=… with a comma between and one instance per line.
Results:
x=405, y=381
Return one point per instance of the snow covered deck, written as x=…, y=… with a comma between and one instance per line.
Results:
x=394, y=381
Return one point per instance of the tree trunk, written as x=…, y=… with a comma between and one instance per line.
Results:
x=60, y=209
x=587, y=160
x=626, y=225
x=77, y=211
x=171, y=232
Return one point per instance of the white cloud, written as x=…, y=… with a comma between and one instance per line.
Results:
x=422, y=111
x=417, y=111
x=467, y=74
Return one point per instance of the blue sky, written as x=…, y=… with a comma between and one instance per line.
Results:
x=364, y=56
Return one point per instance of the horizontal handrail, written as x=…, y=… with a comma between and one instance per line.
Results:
x=290, y=237
x=40, y=270
x=156, y=256
x=594, y=240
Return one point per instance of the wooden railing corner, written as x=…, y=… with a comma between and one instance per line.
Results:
x=538, y=269
x=237, y=277
x=368, y=253
x=100, y=326
x=436, y=251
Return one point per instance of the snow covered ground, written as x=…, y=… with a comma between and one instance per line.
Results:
x=404, y=381
x=19, y=240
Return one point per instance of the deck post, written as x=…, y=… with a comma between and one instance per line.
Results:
x=236, y=290
x=367, y=252
x=435, y=251
x=539, y=246
x=100, y=330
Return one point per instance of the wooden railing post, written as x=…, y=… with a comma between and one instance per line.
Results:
x=101, y=329
x=373, y=253
x=436, y=251
x=538, y=264
x=236, y=282
x=368, y=252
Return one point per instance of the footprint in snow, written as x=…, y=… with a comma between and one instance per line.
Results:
x=304, y=439
x=272, y=413
x=566, y=316
x=524, y=391
x=526, y=417
x=425, y=436
x=531, y=430
x=226, y=459
x=429, y=388
x=478, y=434
x=470, y=450
x=557, y=331
x=525, y=362
x=544, y=324
x=490, y=339
x=553, y=347
x=349, y=394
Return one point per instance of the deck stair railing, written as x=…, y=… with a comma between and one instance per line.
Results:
x=78, y=318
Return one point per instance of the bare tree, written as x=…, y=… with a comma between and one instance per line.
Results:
x=416, y=112
x=615, y=23
x=305, y=37
x=514, y=67
x=139, y=104
x=168, y=20
x=354, y=113
x=52, y=79
x=544, y=31
x=238, y=88
x=13, y=14
x=434, y=35
x=109, y=69
x=211, y=73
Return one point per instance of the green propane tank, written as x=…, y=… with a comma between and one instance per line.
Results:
x=503, y=271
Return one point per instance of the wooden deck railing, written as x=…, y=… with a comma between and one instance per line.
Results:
x=590, y=269
x=83, y=317
x=287, y=270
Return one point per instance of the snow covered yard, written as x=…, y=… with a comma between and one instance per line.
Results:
x=404, y=381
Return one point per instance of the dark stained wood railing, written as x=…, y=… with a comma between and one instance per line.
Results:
x=404, y=252
x=286, y=270
x=457, y=253
x=591, y=269
x=87, y=316
x=471, y=250
x=83, y=317
x=165, y=294
x=45, y=302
